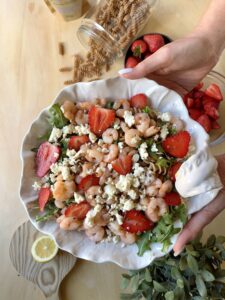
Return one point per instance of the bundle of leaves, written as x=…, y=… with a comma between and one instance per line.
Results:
x=196, y=274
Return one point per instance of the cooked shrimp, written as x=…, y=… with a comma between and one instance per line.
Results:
x=128, y=151
x=81, y=117
x=100, y=101
x=63, y=190
x=84, y=105
x=95, y=234
x=69, y=110
x=110, y=135
x=104, y=176
x=157, y=207
x=115, y=228
x=69, y=223
x=132, y=138
x=142, y=122
x=86, y=169
x=152, y=191
x=102, y=218
x=91, y=194
x=178, y=124
x=113, y=153
x=157, y=183
x=166, y=187
x=59, y=204
x=93, y=155
x=125, y=104
x=145, y=201
x=151, y=131
x=124, y=126
x=128, y=238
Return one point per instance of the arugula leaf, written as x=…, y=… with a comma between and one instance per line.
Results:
x=50, y=211
x=57, y=118
x=109, y=104
x=147, y=109
x=143, y=243
x=64, y=147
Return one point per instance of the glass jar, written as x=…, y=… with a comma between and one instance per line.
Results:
x=113, y=24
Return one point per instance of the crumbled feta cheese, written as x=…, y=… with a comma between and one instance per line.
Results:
x=116, y=239
x=110, y=190
x=116, y=126
x=149, y=177
x=129, y=118
x=129, y=204
x=132, y=194
x=136, y=182
x=55, y=134
x=156, y=137
x=135, y=158
x=164, y=132
x=92, y=137
x=143, y=151
x=82, y=129
x=124, y=183
x=154, y=148
x=36, y=186
x=166, y=117
x=69, y=129
x=109, y=167
x=119, y=219
x=70, y=153
x=100, y=142
x=121, y=145
x=53, y=178
x=138, y=170
x=55, y=168
x=78, y=197
x=75, y=168
x=97, y=208
x=65, y=173
x=89, y=219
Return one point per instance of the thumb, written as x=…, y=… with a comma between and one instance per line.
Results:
x=151, y=64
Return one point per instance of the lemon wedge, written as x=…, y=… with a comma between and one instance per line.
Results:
x=44, y=249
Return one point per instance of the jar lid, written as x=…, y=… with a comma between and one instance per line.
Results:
x=92, y=31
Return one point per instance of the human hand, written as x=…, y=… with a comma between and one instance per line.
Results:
x=179, y=65
x=202, y=218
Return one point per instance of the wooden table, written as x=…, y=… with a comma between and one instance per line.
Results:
x=29, y=81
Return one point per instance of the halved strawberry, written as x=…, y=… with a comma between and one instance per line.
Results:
x=204, y=120
x=47, y=155
x=198, y=103
x=139, y=101
x=178, y=144
x=154, y=41
x=132, y=62
x=138, y=47
x=198, y=94
x=123, y=165
x=195, y=113
x=172, y=199
x=189, y=102
x=214, y=91
x=43, y=197
x=199, y=86
x=209, y=101
x=100, y=119
x=135, y=221
x=76, y=142
x=215, y=125
x=211, y=112
x=87, y=182
x=173, y=170
x=78, y=211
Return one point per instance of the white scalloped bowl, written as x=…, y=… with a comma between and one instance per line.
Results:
x=161, y=98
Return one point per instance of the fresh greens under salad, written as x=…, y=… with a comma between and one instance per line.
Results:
x=108, y=169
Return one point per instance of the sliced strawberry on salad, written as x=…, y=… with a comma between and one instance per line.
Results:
x=139, y=101
x=123, y=165
x=47, y=155
x=178, y=144
x=87, y=182
x=173, y=170
x=78, y=211
x=100, y=119
x=172, y=199
x=76, y=142
x=136, y=222
x=43, y=197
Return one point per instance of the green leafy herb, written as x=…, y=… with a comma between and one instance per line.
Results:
x=188, y=277
x=50, y=211
x=109, y=104
x=64, y=147
x=57, y=118
x=35, y=149
x=147, y=109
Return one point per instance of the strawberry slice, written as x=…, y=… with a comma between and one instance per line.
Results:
x=190, y=102
x=214, y=91
x=195, y=113
x=138, y=47
x=198, y=103
x=47, y=155
x=172, y=199
x=173, y=170
x=76, y=142
x=87, y=182
x=43, y=197
x=211, y=112
x=199, y=86
x=198, y=94
x=123, y=165
x=209, y=101
x=139, y=101
x=154, y=42
x=215, y=125
x=205, y=122
x=100, y=119
x=178, y=144
x=78, y=211
x=132, y=62
x=135, y=221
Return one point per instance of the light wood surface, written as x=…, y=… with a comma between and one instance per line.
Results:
x=47, y=276
x=30, y=79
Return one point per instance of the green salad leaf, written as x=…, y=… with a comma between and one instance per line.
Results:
x=57, y=118
x=50, y=211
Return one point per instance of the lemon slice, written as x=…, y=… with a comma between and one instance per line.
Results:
x=44, y=249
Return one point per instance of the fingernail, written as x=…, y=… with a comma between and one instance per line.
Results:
x=176, y=253
x=125, y=71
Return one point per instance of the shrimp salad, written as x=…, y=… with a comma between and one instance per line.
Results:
x=108, y=169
